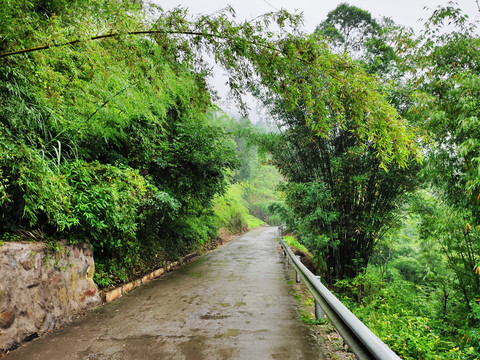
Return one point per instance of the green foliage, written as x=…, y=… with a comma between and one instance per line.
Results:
x=32, y=187
x=258, y=179
x=446, y=69
x=403, y=315
x=407, y=333
x=251, y=51
x=253, y=222
x=353, y=32
x=414, y=292
x=449, y=228
x=410, y=268
x=339, y=198
x=108, y=135
x=443, y=65
x=105, y=141
x=292, y=241
x=262, y=190
x=282, y=214
x=232, y=210
x=133, y=100
x=348, y=28
x=420, y=292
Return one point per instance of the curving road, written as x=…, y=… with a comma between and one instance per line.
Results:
x=233, y=303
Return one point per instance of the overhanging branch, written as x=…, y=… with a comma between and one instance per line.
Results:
x=98, y=37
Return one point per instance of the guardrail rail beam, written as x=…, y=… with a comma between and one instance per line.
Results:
x=361, y=340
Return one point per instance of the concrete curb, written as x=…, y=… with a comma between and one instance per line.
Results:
x=109, y=296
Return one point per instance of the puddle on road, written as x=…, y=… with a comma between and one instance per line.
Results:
x=229, y=333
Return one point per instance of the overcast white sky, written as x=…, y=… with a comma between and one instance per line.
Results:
x=403, y=12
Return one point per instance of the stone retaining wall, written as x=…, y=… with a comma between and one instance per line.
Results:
x=40, y=289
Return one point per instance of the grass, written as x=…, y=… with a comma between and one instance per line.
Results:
x=292, y=241
x=253, y=222
x=232, y=212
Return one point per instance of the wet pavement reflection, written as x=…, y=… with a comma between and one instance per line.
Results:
x=232, y=303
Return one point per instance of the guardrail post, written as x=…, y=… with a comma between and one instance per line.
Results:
x=318, y=309
x=297, y=278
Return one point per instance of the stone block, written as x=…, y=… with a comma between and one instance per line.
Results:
x=127, y=287
x=27, y=264
x=6, y=319
x=158, y=272
x=113, y=294
x=134, y=284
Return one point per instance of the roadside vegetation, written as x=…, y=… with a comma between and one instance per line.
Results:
x=109, y=134
x=115, y=142
x=400, y=245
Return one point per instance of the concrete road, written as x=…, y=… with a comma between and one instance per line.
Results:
x=233, y=303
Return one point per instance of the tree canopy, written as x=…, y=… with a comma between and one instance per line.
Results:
x=256, y=58
x=348, y=28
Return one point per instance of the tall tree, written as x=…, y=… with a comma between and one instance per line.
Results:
x=340, y=199
x=348, y=28
x=445, y=67
x=340, y=196
x=354, y=32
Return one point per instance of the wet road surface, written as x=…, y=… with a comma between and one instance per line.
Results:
x=233, y=303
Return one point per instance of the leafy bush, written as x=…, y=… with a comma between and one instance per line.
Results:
x=106, y=142
x=253, y=222
x=409, y=267
x=232, y=212
x=32, y=188
x=292, y=241
x=402, y=314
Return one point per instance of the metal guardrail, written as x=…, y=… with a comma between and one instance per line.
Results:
x=361, y=340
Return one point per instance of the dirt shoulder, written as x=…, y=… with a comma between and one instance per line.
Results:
x=327, y=337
